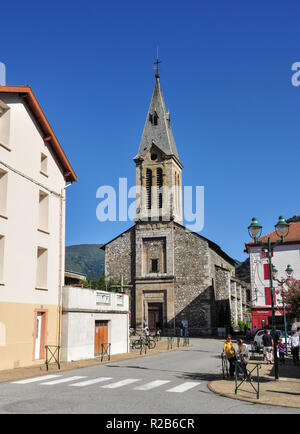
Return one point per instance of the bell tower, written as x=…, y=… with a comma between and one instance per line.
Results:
x=158, y=168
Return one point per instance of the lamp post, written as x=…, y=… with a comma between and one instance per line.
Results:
x=289, y=271
x=255, y=230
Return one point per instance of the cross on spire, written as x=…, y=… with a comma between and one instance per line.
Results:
x=156, y=63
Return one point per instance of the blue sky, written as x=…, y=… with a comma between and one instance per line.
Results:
x=226, y=79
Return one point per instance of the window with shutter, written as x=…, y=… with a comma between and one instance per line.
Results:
x=267, y=296
x=159, y=187
x=149, y=187
x=268, y=300
x=266, y=272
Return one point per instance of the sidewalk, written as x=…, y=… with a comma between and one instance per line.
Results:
x=283, y=392
x=34, y=371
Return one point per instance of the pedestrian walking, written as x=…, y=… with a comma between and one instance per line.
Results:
x=186, y=332
x=281, y=348
x=147, y=331
x=248, y=334
x=268, y=344
x=181, y=330
x=242, y=355
x=230, y=354
x=295, y=347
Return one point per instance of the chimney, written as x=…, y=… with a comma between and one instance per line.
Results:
x=2, y=74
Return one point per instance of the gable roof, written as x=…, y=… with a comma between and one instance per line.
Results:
x=211, y=244
x=161, y=134
x=27, y=93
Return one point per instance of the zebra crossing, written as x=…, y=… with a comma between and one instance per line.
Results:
x=110, y=383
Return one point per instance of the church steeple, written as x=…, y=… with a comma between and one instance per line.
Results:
x=158, y=168
x=157, y=127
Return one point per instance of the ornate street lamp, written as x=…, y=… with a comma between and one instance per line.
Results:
x=254, y=230
x=289, y=271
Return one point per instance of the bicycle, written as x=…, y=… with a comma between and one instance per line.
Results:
x=137, y=343
x=144, y=341
x=150, y=342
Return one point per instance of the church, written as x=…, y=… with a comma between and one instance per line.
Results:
x=174, y=275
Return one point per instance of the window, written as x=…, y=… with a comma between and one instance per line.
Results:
x=44, y=163
x=153, y=118
x=43, y=211
x=154, y=265
x=4, y=125
x=264, y=253
x=2, y=238
x=159, y=187
x=266, y=272
x=268, y=299
x=3, y=192
x=148, y=188
x=42, y=268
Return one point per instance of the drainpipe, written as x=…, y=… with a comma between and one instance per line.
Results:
x=61, y=266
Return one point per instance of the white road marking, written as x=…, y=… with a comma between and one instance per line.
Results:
x=63, y=380
x=88, y=382
x=152, y=385
x=120, y=383
x=32, y=380
x=183, y=387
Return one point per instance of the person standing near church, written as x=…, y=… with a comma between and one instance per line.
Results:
x=229, y=351
x=267, y=342
x=181, y=329
x=295, y=347
x=242, y=355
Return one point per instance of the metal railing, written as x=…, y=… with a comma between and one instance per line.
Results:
x=105, y=351
x=170, y=342
x=52, y=352
x=247, y=377
x=184, y=339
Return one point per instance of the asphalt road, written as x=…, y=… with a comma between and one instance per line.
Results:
x=168, y=383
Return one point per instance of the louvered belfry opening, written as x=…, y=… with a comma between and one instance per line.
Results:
x=159, y=188
x=149, y=187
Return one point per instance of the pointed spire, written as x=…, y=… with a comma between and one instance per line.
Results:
x=157, y=129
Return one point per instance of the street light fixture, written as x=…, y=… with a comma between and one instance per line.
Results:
x=289, y=271
x=254, y=229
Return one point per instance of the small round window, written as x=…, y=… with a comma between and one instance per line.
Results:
x=153, y=157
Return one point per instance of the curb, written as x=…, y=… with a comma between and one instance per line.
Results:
x=251, y=401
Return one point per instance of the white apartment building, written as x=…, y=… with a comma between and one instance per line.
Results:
x=283, y=255
x=33, y=175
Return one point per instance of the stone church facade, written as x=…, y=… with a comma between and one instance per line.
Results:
x=175, y=275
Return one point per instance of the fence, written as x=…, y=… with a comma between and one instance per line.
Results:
x=247, y=377
x=105, y=351
x=52, y=353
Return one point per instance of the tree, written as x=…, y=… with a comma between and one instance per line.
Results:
x=290, y=294
x=102, y=284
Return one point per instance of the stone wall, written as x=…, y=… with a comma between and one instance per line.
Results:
x=119, y=259
x=222, y=292
x=193, y=291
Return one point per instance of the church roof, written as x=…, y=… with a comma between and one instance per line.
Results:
x=158, y=131
x=211, y=244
